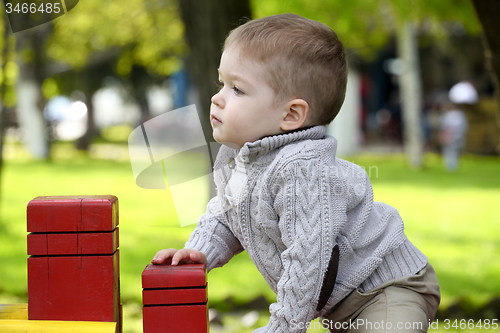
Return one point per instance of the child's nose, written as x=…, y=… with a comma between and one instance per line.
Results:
x=218, y=100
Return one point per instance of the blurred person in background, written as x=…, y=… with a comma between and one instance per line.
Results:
x=454, y=125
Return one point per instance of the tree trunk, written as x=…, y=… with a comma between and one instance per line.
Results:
x=30, y=101
x=345, y=127
x=3, y=110
x=89, y=89
x=207, y=23
x=487, y=12
x=411, y=94
x=29, y=96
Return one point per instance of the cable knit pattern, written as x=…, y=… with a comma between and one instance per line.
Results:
x=287, y=201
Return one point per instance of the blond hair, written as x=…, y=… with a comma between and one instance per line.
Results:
x=302, y=58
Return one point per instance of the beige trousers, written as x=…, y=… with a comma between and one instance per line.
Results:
x=406, y=304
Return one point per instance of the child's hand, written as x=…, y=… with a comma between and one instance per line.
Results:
x=174, y=257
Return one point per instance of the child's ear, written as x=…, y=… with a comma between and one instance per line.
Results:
x=296, y=114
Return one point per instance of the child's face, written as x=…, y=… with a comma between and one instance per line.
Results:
x=244, y=109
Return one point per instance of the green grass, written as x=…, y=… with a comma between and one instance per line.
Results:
x=452, y=217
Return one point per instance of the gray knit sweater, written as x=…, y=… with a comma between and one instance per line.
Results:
x=287, y=200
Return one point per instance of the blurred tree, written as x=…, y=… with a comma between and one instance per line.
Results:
x=6, y=42
x=96, y=35
x=207, y=25
x=148, y=33
x=366, y=25
x=138, y=38
x=32, y=62
x=410, y=91
x=487, y=12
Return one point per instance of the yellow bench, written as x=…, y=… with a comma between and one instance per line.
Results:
x=14, y=311
x=14, y=319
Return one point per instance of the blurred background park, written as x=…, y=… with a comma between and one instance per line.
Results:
x=73, y=89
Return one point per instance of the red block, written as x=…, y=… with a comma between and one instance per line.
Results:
x=72, y=213
x=167, y=276
x=73, y=243
x=54, y=214
x=98, y=242
x=37, y=243
x=177, y=295
x=78, y=288
x=175, y=319
x=174, y=296
x=99, y=213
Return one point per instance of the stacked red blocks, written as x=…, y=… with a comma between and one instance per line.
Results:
x=73, y=268
x=175, y=299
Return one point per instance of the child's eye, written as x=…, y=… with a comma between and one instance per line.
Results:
x=237, y=90
x=219, y=85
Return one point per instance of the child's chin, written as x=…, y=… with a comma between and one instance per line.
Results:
x=217, y=136
x=228, y=144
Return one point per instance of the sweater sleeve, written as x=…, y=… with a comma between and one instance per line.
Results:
x=214, y=238
x=312, y=211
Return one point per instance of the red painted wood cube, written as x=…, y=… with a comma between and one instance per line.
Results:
x=84, y=288
x=73, y=213
x=75, y=243
x=175, y=299
x=73, y=271
x=175, y=319
x=168, y=276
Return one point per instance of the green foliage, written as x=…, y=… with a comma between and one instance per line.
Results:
x=50, y=88
x=117, y=133
x=149, y=32
x=367, y=24
x=9, y=71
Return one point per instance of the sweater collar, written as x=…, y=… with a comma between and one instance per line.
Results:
x=251, y=150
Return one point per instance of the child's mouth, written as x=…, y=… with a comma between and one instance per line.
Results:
x=215, y=120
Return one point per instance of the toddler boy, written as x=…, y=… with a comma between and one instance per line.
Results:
x=306, y=218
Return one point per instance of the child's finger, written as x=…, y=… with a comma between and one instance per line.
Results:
x=163, y=256
x=174, y=257
x=179, y=256
x=198, y=256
